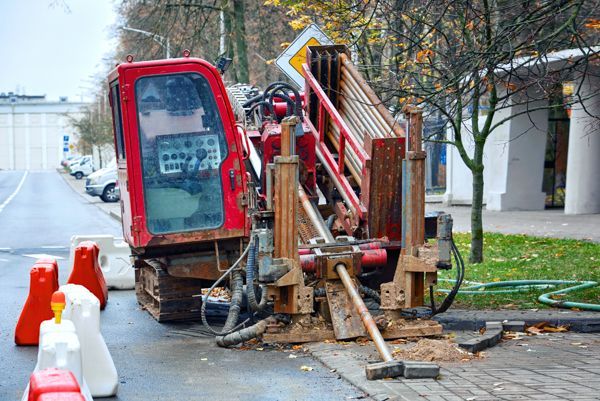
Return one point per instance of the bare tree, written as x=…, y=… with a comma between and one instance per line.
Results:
x=465, y=60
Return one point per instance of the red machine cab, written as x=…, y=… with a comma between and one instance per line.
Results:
x=179, y=154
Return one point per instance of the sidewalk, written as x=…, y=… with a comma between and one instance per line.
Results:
x=557, y=366
x=544, y=223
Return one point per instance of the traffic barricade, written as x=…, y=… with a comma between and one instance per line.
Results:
x=86, y=271
x=59, y=346
x=113, y=259
x=51, y=380
x=83, y=309
x=43, y=281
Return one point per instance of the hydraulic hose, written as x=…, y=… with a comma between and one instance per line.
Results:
x=243, y=335
x=460, y=275
x=236, y=298
x=278, y=85
x=250, y=267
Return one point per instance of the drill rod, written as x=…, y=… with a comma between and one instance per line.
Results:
x=366, y=317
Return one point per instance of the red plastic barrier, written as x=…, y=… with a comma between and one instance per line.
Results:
x=61, y=397
x=48, y=262
x=42, y=284
x=87, y=271
x=52, y=381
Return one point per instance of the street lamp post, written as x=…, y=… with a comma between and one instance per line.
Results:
x=161, y=40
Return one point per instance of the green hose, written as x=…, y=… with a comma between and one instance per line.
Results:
x=526, y=285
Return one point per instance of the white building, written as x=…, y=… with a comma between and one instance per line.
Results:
x=516, y=154
x=35, y=132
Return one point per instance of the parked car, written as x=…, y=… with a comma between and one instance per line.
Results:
x=103, y=183
x=82, y=167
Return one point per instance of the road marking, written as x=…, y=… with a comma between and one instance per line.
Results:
x=4, y=260
x=7, y=201
x=43, y=256
x=5, y=249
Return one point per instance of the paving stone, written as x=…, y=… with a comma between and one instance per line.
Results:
x=554, y=370
x=420, y=370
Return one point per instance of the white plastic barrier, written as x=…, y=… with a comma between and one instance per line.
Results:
x=113, y=259
x=60, y=348
x=83, y=309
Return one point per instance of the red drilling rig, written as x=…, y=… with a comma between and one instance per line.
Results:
x=313, y=200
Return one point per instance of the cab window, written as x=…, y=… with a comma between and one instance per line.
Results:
x=118, y=127
x=182, y=146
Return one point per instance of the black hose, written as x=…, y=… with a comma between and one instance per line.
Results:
x=264, y=104
x=242, y=335
x=370, y=293
x=460, y=275
x=278, y=85
x=237, y=288
x=250, y=267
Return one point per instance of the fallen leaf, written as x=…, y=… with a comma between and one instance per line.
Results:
x=555, y=329
x=260, y=349
x=306, y=368
x=292, y=356
x=296, y=347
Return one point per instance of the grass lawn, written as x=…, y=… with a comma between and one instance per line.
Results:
x=521, y=257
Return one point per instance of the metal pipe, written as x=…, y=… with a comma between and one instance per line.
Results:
x=369, y=113
x=348, y=85
x=336, y=182
x=351, y=161
x=365, y=316
x=361, y=101
x=362, y=118
x=385, y=113
x=314, y=217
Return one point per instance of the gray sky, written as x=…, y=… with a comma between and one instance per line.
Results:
x=51, y=50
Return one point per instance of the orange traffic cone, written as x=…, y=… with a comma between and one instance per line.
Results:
x=87, y=271
x=43, y=283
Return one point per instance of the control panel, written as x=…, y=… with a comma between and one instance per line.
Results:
x=198, y=151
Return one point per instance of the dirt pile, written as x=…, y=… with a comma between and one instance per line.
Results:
x=433, y=351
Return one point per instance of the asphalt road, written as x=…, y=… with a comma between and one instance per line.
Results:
x=154, y=361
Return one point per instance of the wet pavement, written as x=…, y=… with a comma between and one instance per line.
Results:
x=155, y=362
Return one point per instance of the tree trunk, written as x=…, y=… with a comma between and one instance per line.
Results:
x=240, y=41
x=476, y=255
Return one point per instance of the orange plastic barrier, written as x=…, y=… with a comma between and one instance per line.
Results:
x=42, y=284
x=87, y=272
x=53, y=381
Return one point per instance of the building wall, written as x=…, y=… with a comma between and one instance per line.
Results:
x=31, y=133
x=513, y=161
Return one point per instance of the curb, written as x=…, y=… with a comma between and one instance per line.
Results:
x=469, y=320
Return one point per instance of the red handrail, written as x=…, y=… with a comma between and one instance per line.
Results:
x=345, y=137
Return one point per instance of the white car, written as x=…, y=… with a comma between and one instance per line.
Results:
x=103, y=183
x=82, y=167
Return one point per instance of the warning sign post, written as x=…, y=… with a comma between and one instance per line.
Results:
x=292, y=58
